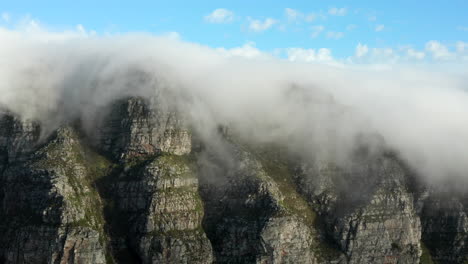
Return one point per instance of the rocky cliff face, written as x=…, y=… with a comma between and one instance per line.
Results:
x=445, y=227
x=378, y=215
x=51, y=212
x=134, y=128
x=142, y=193
x=250, y=219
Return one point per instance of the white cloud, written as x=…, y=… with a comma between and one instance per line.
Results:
x=337, y=11
x=462, y=28
x=457, y=52
x=379, y=28
x=309, y=55
x=33, y=26
x=248, y=50
x=461, y=46
x=81, y=29
x=414, y=54
x=6, y=17
x=462, y=50
x=316, y=30
x=335, y=35
x=361, y=50
x=384, y=56
x=32, y=30
x=292, y=14
x=173, y=35
x=385, y=52
x=258, y=25
x=438, y=50
x=227, y=90
x=220, y=15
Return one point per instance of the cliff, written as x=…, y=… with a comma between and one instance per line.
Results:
x=143, y=188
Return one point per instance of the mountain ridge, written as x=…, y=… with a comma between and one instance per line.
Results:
x=145, y=188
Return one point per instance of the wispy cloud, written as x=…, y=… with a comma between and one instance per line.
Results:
x=414, y=54
x=309, y=55
x=292, y=14
x=335, y=35
x=219, y=16
x=438, y=50
x=462, y=28
x=461, y=46
x=384, y=55
x=361, y=50
x=173, y=35
x=379, y=27
x=259, y=25
x=316, y=30
x=334, y=11
x=248, y=50
x=433, y=50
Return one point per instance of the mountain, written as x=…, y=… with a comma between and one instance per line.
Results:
x=142, y=187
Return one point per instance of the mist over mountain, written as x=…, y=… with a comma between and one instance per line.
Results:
x=417, y=111
x=136, y=148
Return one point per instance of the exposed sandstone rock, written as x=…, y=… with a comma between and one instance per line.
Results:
x=158, y=200
x=367, y=209
x=138, y=127
x=51, y=212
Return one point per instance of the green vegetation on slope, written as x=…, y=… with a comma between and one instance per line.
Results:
x=276, y=164
x=426, y=257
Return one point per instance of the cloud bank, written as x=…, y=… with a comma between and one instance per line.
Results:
x=419, y=112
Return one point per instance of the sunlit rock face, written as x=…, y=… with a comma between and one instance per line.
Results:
x=144, y=188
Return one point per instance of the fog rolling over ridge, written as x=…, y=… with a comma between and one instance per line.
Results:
x=321, y=110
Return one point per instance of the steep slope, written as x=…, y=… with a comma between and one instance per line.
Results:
x=138, y=127
x=51, y=212
x=254, y=213
x=445, y=227
x=144, y=188
x=153, y=210
x=375, y=223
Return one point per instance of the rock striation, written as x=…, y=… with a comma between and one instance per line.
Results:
x=51, y=212
x=144, y=188
x=378, y=222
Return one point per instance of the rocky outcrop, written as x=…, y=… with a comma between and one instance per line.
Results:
x=445, y=227
x=253, y=218
x=153, y=191
x=139, y=191
x=157, y=203
x=17, y=136
x=50, y=211
x=376, y=223
x=138, y=127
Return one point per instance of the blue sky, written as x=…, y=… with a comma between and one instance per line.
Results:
x=404, y=27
